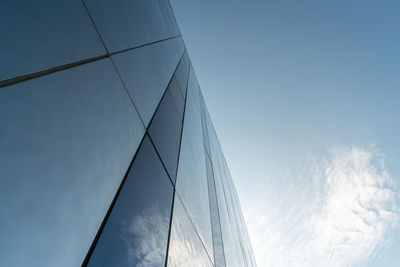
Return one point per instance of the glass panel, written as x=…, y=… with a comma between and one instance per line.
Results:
x=204, y=123
x=124, y=23
x=165, y=131
x=147, y=71
x=182, y=73
x=215, y=222
x=67, y=139
x=231, y=255
x=136, y=233
x=192, y=177
x=185, y=247
x=231, y=206
x=176, y=94
x=38, y=35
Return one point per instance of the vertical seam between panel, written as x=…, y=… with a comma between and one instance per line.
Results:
x=205, y=143
x=100, y=230
x=177, y=164
x=219, y=216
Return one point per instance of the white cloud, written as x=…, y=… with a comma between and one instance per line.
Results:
x=340, y=213
x=145, y=238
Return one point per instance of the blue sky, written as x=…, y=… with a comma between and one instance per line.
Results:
x=305, y=99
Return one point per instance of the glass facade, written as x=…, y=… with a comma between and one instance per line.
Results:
x=108, y=156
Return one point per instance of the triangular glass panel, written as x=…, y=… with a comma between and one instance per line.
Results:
x=185, y=247
x=136, y=232
x=182, y=73
x=147, y=71
x=192, y=176
x=165, y=132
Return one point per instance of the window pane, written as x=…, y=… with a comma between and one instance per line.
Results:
x=165, y=131
x=136, y=232
x=67, y=139
x=124, y=23
x=147, y=71
x=231, y=254
x=204, y=123
x=192, y=177
x=182, y=73
x=38, y=35
x=176, y=94
x=185, y=247
x=215, y=222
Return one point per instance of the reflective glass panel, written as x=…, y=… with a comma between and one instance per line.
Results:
x=192, y=177
x=38, y=35
x=125, y=23
x=219, y=257
x=176, y=94
x=67, y=139
x=165, y=131
x=204, y=123
x=231, y=255
x=136, y=233
x=182, y=73
x=147, y=71
x=185, y=247
x=231, y=207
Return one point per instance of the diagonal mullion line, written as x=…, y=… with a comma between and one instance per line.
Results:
x=100, y=230
x=95, y=26
x=113, y=63
x=205, y=143
x=176, y=193
x=217, y=205
x=142, y=45
x=224, y=184
x=180, y=91
x=213, y=181
x=29, y=76
x=108, y=213
x=219, y=216
x=177, y=164
x=195, y=229
x=127, y=91
x=32, y=75
x=164, y=93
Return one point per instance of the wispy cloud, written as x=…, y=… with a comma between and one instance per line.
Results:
x=340, y=215
x=145, y=238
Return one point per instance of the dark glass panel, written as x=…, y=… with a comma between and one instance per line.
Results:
x=192, y=177
x=125, y=23
x=176, y=94
x=147, y=71
x=38, y=35
x=67, y=139
x=185, y=247
x=136, y=232
x=165, y=131
x=182, y=73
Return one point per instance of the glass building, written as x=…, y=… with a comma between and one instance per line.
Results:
x=108, y=156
